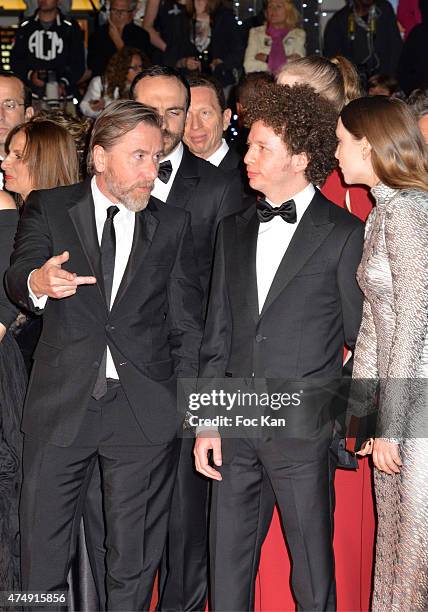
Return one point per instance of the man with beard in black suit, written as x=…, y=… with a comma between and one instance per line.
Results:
x=185, y=180
x=114, y=276
x=190, y=183
x=283, y=302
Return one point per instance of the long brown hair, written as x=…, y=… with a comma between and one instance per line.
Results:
x=50, y=153
x=399, y=154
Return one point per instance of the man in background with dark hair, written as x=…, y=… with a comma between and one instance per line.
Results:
x=283, y=301
x=207, y=120
x=119, y=31
x=185, y=180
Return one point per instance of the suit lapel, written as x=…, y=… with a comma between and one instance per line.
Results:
x=311, y=232
x=185, y=181
x=145, y=228
x=82, y=214
x=247, y=233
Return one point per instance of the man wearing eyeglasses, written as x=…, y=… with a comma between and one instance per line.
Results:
x=119, y=31
x=15, y=107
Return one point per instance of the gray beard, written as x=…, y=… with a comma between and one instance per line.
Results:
x=124, y=196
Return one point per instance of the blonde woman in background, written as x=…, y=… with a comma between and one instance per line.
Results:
x=281, y=39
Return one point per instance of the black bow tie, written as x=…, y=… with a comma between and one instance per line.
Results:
x=286, y=211
x=165, y=170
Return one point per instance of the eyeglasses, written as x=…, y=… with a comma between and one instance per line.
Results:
x=10, y=105
x=121, y=11
x=136, y=67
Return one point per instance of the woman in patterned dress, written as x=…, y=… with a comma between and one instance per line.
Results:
x=380, y=145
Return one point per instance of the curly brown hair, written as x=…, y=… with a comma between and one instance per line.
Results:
x=305, y=121
x=117, y=70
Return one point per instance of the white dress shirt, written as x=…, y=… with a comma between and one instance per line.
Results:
x=161, y=190
x=124, y=223
x=217, y=157
x=273, y=240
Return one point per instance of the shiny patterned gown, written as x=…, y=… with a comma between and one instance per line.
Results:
x=393, y=347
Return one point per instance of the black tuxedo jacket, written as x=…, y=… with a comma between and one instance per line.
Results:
x=209, y=195
x=153, y=329
x=231, y=161
x=313, y=307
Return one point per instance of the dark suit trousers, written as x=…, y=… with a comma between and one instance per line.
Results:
x=137, y=479
x=183, y=584
x=183, y=576
x=298, y=471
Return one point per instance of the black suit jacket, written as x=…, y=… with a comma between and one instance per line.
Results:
x=209, y=195
x=153, y=329
x=313, y=307
x=231, y=161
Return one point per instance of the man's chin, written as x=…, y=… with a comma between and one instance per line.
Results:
x=169, y=146
x=138, y=201
x=136, y=205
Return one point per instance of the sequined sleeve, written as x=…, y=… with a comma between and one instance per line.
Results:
x=406, y=239
x=365, y=357
x=365, y=371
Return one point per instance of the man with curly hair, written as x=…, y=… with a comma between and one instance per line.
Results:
x=284, y=301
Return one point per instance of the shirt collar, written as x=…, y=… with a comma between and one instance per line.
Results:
x=301, y=199
x=217, y=157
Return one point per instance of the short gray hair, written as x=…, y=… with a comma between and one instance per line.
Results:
x=116, y=120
